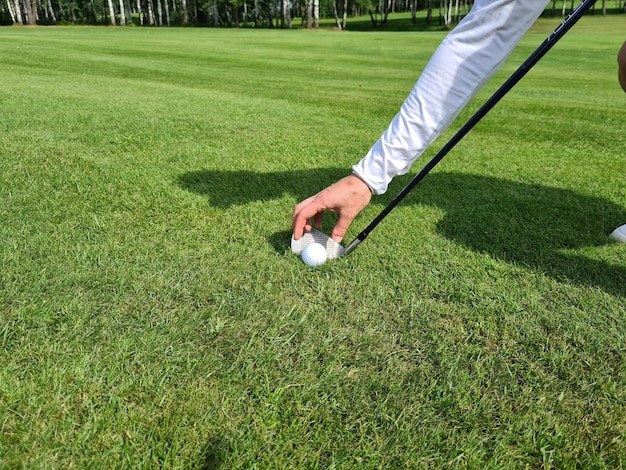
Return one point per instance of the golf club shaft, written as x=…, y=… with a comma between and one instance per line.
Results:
x=550, y=41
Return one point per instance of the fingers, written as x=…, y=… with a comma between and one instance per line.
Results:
x=302, y=215
x=341, y=227
x=347, y=198
x=317, y=218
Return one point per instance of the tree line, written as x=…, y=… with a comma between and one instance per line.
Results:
x=244, y=13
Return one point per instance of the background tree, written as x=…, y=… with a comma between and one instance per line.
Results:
x=245, y=13
x=112, y=13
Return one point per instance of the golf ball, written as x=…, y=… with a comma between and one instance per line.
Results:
x=314, y=254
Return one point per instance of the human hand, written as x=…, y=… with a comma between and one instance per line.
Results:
x=347, y=197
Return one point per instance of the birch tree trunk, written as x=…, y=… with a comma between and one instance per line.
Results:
x=122, y=13
x=112, y=13
x=11, y=11
x=316, y=14
x=159, y=13
x=51, y=11
x=151, y=19
x=336, y=14
x=447, y=20
x=18, y=12
x=140, y=12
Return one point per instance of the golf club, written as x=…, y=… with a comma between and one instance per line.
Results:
x=557, y=34
x=336, y=250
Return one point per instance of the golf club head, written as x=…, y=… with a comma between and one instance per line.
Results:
x=333, y=249
x=619, y=234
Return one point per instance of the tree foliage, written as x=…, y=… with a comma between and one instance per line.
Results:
x=238, y=13
x=225, y=13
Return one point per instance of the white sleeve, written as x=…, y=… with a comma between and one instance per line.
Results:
x=466, y=59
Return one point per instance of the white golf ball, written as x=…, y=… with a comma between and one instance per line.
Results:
x=314, y=254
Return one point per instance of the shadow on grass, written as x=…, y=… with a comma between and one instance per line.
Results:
x=214, y=454
x=395, y=23
x=529, y=224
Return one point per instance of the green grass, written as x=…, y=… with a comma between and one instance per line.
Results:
x=153, y=316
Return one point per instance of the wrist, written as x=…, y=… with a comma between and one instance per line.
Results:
x=360, y=178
